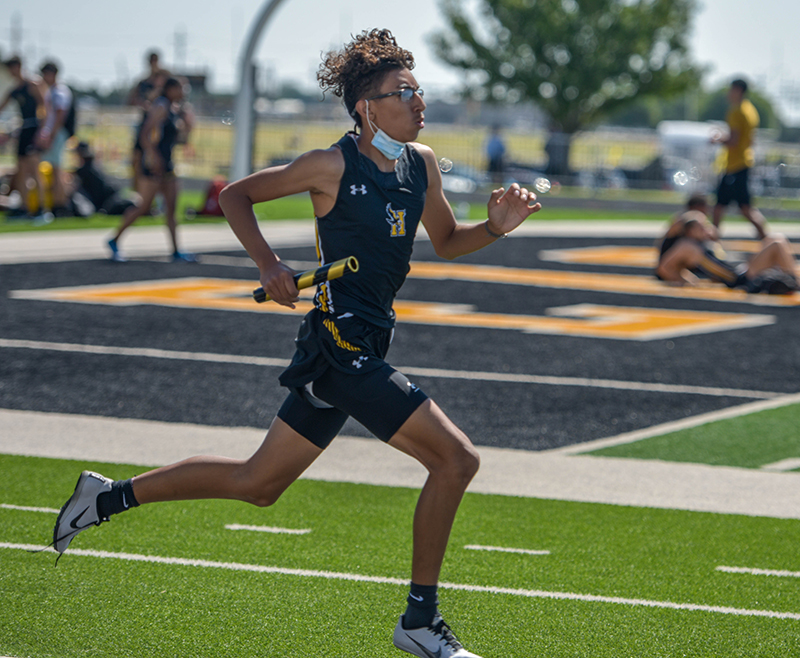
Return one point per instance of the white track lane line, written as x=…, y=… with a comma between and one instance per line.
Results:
x=22, y=508
x=408, y=370
x=333, y=575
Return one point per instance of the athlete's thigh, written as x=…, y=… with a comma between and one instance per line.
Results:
x=282, y=457
x=433, y=439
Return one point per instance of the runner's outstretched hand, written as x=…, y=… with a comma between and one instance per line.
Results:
x=509, y=208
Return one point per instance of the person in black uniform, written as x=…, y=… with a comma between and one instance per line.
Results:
x=158, y=138
x=142, y=95
x=370, y=191
x=30, y=99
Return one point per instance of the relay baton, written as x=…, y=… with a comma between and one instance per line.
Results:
x=315, y=277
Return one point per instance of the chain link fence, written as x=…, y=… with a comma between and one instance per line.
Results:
x=623, y=162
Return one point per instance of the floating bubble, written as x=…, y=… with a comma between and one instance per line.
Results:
x=445, y=165
x=542, y=185
x=228, y=118
x=694, y=174
x=680, y=178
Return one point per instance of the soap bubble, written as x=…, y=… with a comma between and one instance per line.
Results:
x=680, y=178
x=542, y=185
x=228, y=118
x=445, y=165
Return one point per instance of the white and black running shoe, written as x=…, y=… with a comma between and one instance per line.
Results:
x=80, y=511
x=434, y=641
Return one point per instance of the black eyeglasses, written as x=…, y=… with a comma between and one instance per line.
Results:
x=406, y=94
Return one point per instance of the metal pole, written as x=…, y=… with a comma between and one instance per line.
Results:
x=242, y=158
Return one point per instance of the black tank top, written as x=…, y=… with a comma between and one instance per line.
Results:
x=375, y=219
x=169, y=129
x=27, y=105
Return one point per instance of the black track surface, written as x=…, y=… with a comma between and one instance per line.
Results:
x=499, y=414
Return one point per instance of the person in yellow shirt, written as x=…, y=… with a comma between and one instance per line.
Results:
x=742, y=120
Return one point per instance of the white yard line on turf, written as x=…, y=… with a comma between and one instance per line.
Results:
x=499, y=549
x=353, y=577
x=22, y=508
x=782, y=573
x=441, y=373
x=264, y=528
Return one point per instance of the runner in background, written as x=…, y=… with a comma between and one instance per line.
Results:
x=29, y=95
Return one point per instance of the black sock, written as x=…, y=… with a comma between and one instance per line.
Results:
x=423, y=604
x=119, y=499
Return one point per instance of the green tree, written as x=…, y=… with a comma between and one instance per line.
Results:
x=579, y=60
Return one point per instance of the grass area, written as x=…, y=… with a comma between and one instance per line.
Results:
x=299, y=207
x=90, y=606
x=750, y=441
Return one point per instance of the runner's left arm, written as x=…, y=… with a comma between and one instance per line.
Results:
x=507, y=209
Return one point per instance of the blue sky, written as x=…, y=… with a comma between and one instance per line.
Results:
x=104, y=42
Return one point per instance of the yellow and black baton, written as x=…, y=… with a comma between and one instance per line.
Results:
x=315, y=277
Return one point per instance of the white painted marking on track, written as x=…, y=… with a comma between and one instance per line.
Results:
x=500, y=549
x=790, y=464
x=782, y=573
x=21, y=508
x=333, y=575
x=439, y=373
x=265, y=528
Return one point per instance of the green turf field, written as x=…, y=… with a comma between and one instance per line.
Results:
x=318, y=598
x=751, y=441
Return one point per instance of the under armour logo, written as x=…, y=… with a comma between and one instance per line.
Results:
x=354, y=189
x=357, y=363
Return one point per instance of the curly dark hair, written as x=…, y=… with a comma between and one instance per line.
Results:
x=357, y=70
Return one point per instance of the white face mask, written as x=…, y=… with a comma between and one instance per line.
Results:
x=390, y=148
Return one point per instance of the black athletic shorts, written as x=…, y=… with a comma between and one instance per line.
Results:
x=381, y=400
x=169, y=170
x=338, y=370
x=25, y=145
x=734, y=187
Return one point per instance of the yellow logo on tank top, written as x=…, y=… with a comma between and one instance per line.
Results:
x=397, y=220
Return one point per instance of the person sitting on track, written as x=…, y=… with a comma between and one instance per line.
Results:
x=690, y=250
x=369, y=191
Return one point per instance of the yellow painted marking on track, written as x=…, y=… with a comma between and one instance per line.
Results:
x=597, y=281
x=606, y=255
x=629, y=256
x=589, y=320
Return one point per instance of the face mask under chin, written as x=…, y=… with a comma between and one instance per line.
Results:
x=390, y=148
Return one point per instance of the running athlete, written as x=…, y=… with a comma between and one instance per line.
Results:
x=30, y=99
x=141, y=95
x=369, y=191
x=158, y=137
x=742, y=120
